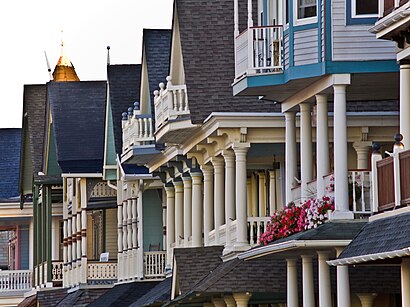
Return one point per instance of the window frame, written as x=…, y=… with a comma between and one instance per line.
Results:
x=353, y=13
x=303, y=21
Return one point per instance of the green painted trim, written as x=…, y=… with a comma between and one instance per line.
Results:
x=49, y=233
x=35, y=226
x=104, y=219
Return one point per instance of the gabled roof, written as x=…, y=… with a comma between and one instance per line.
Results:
x=207, y=42
x=10, y=141
x=78, y=117
x=157, y=47
x=124, y=83
x=158, y=295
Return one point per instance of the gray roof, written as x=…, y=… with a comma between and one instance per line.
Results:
x=206, y=31
x=124, y=82
x=78, y=110
x=10, y=141
x=380, y=236
x=158, y=295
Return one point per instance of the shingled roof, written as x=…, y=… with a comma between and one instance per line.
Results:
x=78, y=110
x=10, y=140
x=158, y=295
x=207, y=42
x=157, y=48
x=124, y=82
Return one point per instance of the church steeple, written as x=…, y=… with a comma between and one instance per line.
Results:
x=64, y=70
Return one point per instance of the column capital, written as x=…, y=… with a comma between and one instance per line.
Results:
x=306, y=257
x=323, y=255
x=169, y=188
x=261, y=175
x=218, y=162
x=241, y=148
x=229, y=301
x=218, y=302
x=187, y=180
x=178, y=184
x=305, y=107
x=339, y=88
x=195, y=176
x=291, y=261
x=321, y=98
x=362, y=145
x=242, y=298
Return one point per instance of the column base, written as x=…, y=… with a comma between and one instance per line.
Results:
x=240, y=247
x=341, y=215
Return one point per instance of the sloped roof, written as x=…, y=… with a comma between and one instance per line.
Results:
x=207, y=42
x=195, y=263
x=10, y=141
x=81, y=297
x=124, y=82
x=158, y=295
x=34, y=120
x=78, y=110
x=157, y=48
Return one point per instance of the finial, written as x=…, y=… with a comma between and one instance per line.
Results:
x=375, y=148
x=108, y=55
x=124, y=115
x=62, y=42
x=130, y=111
x=136, y=105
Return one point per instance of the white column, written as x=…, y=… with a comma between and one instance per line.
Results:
x=241, y=150
x=218, y=302
x=249, y=196
x=79, y=244
x=219, y=195
x=362, y=150
x=292, y=283
x=242, y=299
x=405, y=104
x=262, y=194
x=322, y=144
x=254, y=196
x=208, y=172
x=272, y=192
x=197, y=209
x=169, y=189
x=343, y=285
x=229, y=301
x=84, y=204
x=179, y=210
x=134, y=221
x=140, y=231
x=366, y=299
x=74, y=243
x=129, y=233
x=405, y=282
x=308, y=285
x=55, y=238
x=325, y=294
x=69, y=251
x=230, y=213
x=119, y=240
x=306, y=153
x=187, y=181
x=290, y=153
x=340, y=154
x=124, y=239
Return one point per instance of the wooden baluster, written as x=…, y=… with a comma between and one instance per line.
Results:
x=150, y=134
x=145, y=127
x=186, y=99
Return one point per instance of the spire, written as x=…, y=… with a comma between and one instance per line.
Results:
x=64, y=70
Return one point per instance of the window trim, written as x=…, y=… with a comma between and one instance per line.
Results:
x=353, y=11
x=303, y=21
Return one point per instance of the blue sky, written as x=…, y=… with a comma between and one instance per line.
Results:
x=31, y=27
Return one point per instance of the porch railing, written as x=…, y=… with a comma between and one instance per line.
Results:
x=15, y=280
x=387, y=6
x=259, y=50
x=154, y=264
x=137, y=130
x=102, y=270
x=257, y=225
x=170, y=102
x=57, y=271
x=101, y=189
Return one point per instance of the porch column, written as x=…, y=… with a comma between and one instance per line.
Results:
x=340, y=154
x=230, y=214
x=343, y=285
x=362, y=150
x=218, y=302
x=405, y=103
x=79, y=246
x=242, y=299
x=170, y=191
x=208, y=172
x=254, y=196
x=83, y=230
x=290, y=153
x=129, y=236
x=69, y=251
x=55, y=238
x=219, y=195
x=325, y=294
x=187, y=181
x=249, y=196
x=262, y=194
x=139, y=246
x=405, y=282
x=308, y=286
x=322, y=144
x=272, y=192
x=74, y=248
x=179, y=210
x=125, y=238
x=241, y=150
x=229, y=301
x=134, y=222
x=119, y=240
x=197, y=208
x=292, y=283
x=366, y=299
x=306, y=153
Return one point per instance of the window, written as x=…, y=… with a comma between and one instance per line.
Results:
x=306, y=9
x=365, y=8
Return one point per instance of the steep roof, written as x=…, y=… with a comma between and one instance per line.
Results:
x=10, y=141
x=207, y=42
x=78, y=110
x=157, y=48
x=158, y=295
x=124, y=83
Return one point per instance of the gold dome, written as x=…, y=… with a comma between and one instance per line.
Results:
x=64, y=70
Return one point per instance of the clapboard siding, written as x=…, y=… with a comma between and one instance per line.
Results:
x=24, y=247
x=111, y=240
x=306, y=47
x=286, y=51
x=355, y=42
x=322, y=29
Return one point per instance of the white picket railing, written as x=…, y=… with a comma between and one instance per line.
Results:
x=15, y=280
x=257, y=225
x=57, y=271
x=170, y=102
x=154, y=264
x=102, y=270
x=137, y=129
x=101, y=189
x=259, y=50
x=360, y=187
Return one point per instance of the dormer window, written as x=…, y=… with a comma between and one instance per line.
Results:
x=365, y=8
x=305, y=11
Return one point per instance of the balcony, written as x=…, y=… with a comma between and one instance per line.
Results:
x=154, y=264
x=101, y=272
x=259, y=50
x=388, y=6
x=172, y=115
x=137, y=130
x=15, y=281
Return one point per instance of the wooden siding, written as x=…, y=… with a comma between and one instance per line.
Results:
x=111, y=241
x=306, y=47
x=24, y=247
x=385, y=184
x=322, y=29
x=286, y=51
x=355, y=42
x=405, y=177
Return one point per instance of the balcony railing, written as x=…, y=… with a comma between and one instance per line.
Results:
x=137, y=129
x=57, y=272
x=154, y=264
x=259, y=50
x=387, y=6
x=15, y=280
x=101, y=189
x=257, y=225
x=170, y=102
x=102, y=271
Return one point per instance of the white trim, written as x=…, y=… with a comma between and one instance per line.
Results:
x=284, y=246
x=242, y=114
x=353, y=11
x=303, y=21
x=371, y=257
x=81, y=175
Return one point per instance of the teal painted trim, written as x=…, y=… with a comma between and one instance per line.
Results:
x=361, y=67
x=319, y=31
x=265, y=13
x=357, y=20
x=328, y=30
x=286, y=32
x=305, y=27
x=291, y=34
